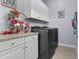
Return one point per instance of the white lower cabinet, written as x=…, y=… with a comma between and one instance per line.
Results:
x=31, y=51
x=14, y=54
x=27, y=49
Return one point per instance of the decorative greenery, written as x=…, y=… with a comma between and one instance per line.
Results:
x=13, y=14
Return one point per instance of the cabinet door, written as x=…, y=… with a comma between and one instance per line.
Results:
x=39, y=10
x=17, y=54
x=31, y=52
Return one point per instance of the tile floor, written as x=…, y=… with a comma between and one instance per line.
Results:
x=65, y=53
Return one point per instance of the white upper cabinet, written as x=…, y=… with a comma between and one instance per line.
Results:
x=36, y=9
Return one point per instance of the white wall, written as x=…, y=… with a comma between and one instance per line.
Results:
x=3, y=17
x=64, y=24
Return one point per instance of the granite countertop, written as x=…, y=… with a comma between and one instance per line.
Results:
x=15, y=36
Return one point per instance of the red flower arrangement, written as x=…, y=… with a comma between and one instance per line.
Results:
x=16, y=26
x=20, y=25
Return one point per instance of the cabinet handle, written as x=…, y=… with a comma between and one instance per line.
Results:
x=12, y=43
x=32, y=37
x=25, y=47
x=38, y=17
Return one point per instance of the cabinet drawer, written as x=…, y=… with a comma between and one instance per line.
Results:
x=31, y=42
x=7, y=52
x=10, y=44
x=30, y=39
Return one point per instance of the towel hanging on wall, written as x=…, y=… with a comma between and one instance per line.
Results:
x=75, y=24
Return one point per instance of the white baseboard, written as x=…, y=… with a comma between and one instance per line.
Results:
x=67, y=45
